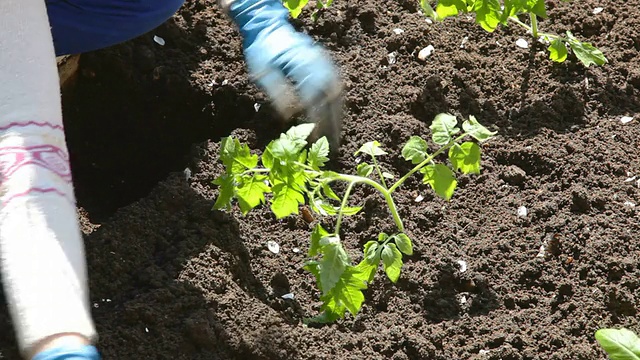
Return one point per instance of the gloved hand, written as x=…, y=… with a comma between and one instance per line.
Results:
x=87, y=352
x=278, y=57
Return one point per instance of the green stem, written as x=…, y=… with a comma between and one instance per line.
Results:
x=375, y=163
x=534, y=25
x=355, y=179
x=517, y=21
x=345, y=198
x=425, y=162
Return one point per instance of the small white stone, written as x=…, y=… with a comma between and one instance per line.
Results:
x=257, y=106
x=160, y=41
x=522, y=211
x=629, y=204
x=187, y=174
x=419, y=198
x=483, y=352
x=541, y=252
x=465, y=40
x=630, y=179
x=398, y=31
x=296, y=250
x=392, y=58
x=429, y=21
x=522, y=43
x=626, y=119
x=463, y=265
x=463, y=300
x=426, y=52
x=597, y=10
x=225, y=82
x=146, y=329
x=273, y=246
x=288, y=296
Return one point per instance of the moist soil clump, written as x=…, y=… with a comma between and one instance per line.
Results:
x=173, y=279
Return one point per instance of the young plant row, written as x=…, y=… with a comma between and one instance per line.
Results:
x=493, y=13
x=288, y=175
x=490, y=14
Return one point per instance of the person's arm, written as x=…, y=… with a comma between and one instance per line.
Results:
x=278, y=57
x=41, y=247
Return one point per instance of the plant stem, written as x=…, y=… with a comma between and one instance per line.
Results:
x=353, y=180
x=534, y=25
x=345, y=198
x=517, y=21
x=375, y=163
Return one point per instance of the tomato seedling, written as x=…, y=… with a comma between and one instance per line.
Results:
x=288, y=175
x=492, y=13
x=619, y=344
x=295, y=7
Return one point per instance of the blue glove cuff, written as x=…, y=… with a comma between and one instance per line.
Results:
x=255, y=16
x=87, y=352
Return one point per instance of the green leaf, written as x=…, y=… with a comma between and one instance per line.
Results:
x=382, y=237
x=392, y=261
x=476, y=130
x=286, y=200
x=558, y=51
x=404, y=244
x=443, y=128
x=236, y=157
x=585, y=52
x=295, y=7
x=326, y=188
x=251, y=191
x=319, y=153
x=537, y=7
x=364, y=169
x=620, y=344
x=318, y=233
x=351, y=210
x=428, y=10
x=465, y=157
x=226, y=183
x=371, y=253
x=447, y=8
x=415, y=150
x=366, y=271
x=441, y=179
x=346, y=295
x=371, y=148
x=488, y=14
x=332, y=265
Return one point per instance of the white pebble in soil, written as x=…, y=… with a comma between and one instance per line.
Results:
x=522, y=43
x=522, y=212
x=626, y=119
x=160, y=41
x=426, y=52
x=273, y=246
x=463, y=265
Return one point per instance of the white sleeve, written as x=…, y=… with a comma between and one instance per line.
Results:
x=41, y=247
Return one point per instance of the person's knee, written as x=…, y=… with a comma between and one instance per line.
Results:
x=167, y=8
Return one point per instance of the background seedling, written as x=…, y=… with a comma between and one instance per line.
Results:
x=492, y=13
x=293, y=175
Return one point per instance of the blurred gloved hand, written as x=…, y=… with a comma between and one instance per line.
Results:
x=87, y=352
x=288, y=67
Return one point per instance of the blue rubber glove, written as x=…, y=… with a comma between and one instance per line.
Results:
x=87, y=352
x=284, y=63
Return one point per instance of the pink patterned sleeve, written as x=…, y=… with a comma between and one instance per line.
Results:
x=41, y=247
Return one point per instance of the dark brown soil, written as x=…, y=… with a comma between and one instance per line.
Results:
x=172, y=279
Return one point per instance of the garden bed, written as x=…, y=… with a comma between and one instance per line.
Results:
x=172, y=279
